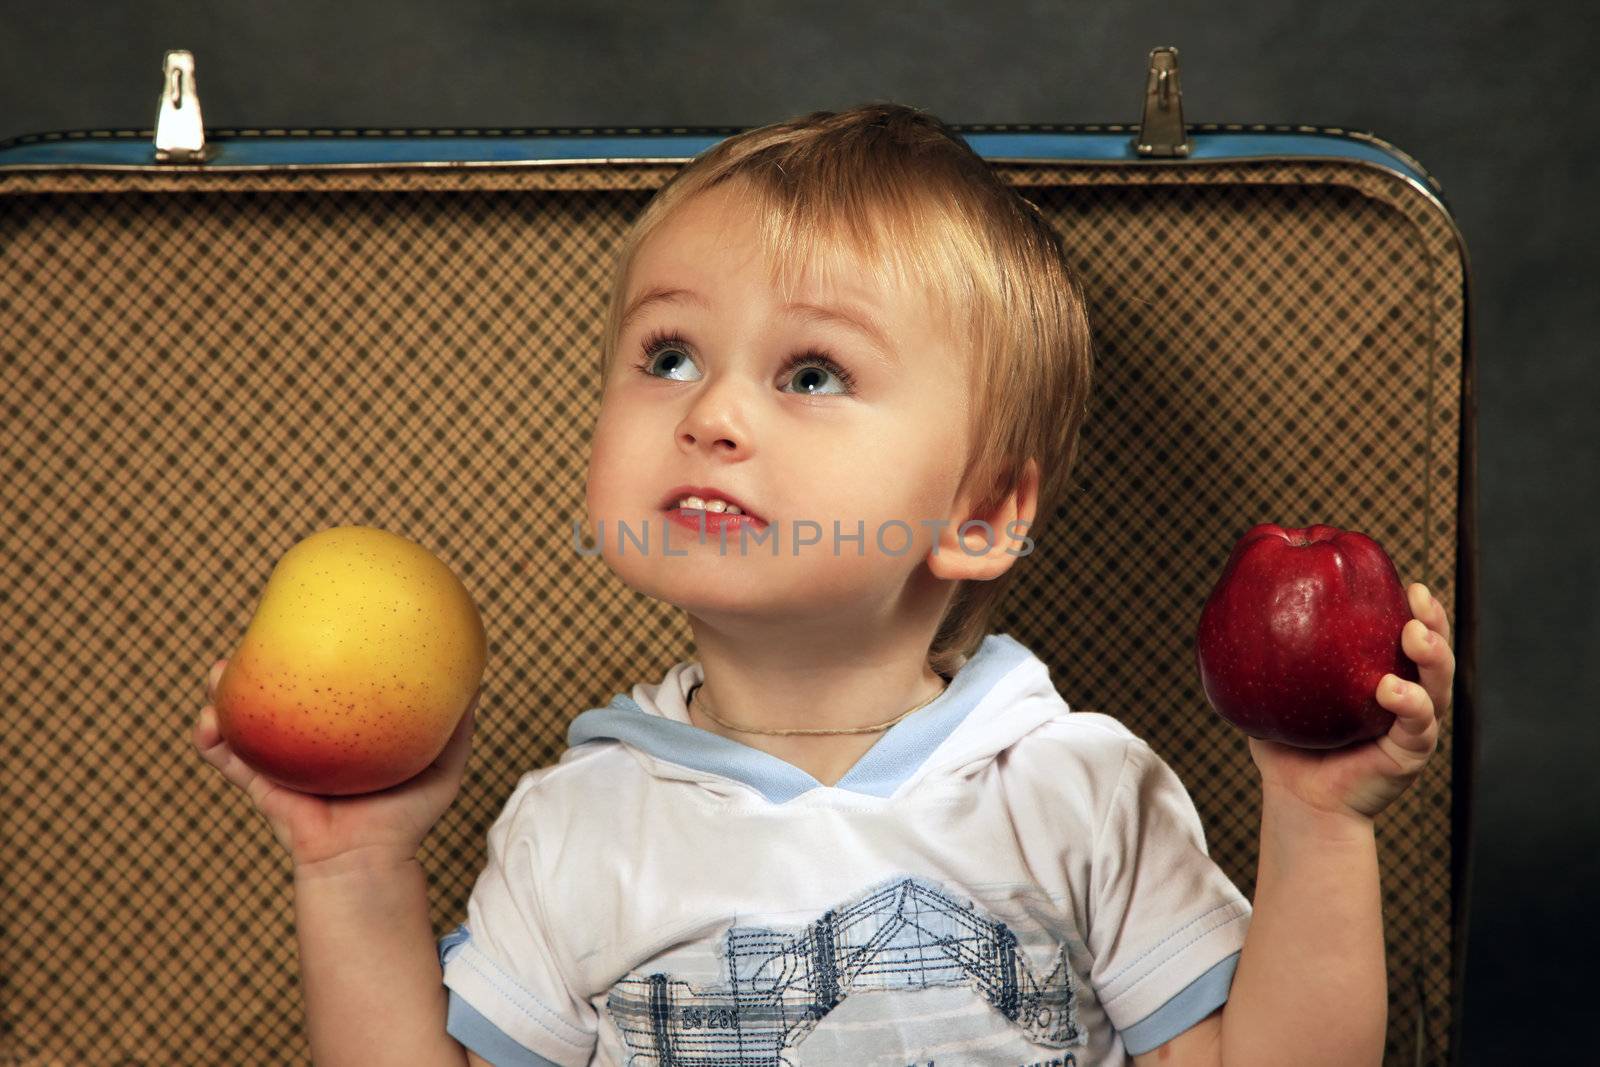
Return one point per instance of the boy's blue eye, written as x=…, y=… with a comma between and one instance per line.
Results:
x=807, y=363
x=676, y=359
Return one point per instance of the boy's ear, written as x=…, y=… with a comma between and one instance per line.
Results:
x=983, y=552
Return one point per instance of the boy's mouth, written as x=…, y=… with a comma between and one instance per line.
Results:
x=708, y=499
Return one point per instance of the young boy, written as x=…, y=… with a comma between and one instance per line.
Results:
x=845, y=368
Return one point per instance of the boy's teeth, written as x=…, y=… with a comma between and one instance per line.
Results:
x=709, y=505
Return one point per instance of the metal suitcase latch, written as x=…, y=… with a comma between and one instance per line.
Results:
x=180, y=132
x=1161, y=128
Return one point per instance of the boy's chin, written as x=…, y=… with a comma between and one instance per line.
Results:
x=753, y=589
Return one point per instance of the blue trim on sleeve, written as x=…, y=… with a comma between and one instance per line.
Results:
x=450, y=944
x=467, y=1026
x=1191, y=1004
x=470, y=1027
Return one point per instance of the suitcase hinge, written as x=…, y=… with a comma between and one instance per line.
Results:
x=1161, y=129
x=180, y=133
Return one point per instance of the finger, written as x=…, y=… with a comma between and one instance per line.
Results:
x=1416, y=727
x=205, y=733
x=215, y=751
x=1426, y=606
x=1436, y=664
x=213, y=677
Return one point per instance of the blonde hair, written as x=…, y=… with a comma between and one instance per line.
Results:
x=896, y=189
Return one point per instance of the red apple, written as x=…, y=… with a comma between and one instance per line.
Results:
x=1298, y=632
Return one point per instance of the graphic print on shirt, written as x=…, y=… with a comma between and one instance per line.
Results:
x=904, y=934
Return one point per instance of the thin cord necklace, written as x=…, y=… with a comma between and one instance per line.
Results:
x=694, y=696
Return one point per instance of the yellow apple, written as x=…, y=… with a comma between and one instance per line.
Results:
x=358, y=664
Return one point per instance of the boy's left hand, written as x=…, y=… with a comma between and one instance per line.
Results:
x=1362, y=779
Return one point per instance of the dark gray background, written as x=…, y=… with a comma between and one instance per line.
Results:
x=1497, y=100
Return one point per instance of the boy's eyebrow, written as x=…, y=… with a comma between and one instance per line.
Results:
x=855, y=318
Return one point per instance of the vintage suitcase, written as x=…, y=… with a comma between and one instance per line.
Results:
x=218, y=341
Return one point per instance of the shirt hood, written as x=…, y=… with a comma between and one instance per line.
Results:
x=999, y=695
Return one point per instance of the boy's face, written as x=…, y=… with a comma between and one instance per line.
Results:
x=721, y=410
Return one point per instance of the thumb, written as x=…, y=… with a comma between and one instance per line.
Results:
x=456, y=750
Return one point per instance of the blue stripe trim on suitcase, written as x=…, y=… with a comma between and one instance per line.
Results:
x=279, y=150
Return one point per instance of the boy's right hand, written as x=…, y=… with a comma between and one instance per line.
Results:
x=325, y=833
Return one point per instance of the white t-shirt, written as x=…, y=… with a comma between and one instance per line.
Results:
x=998, y=881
